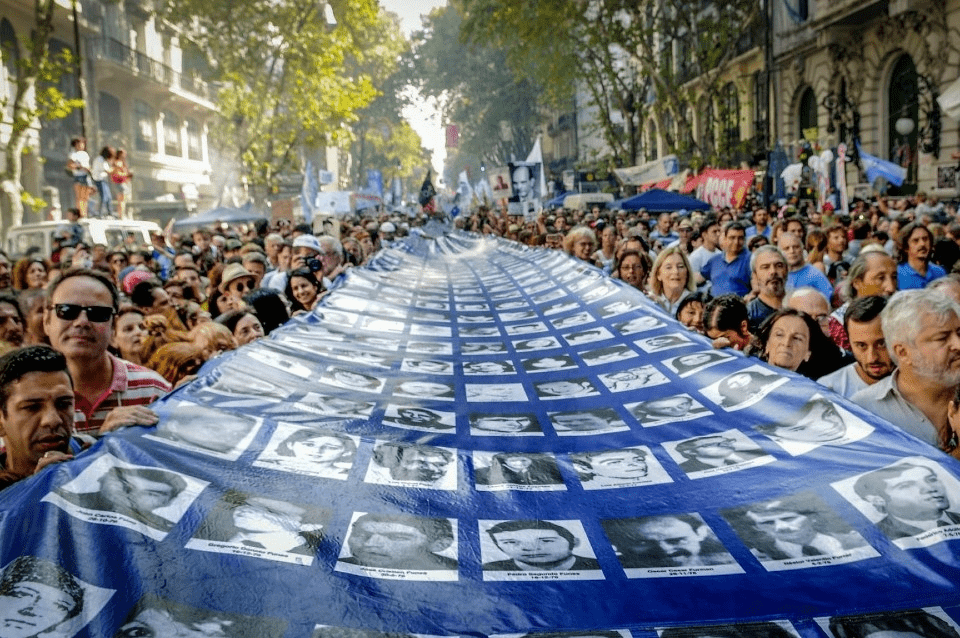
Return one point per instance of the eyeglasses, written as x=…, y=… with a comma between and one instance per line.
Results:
x=242, y=286
x=96, y=314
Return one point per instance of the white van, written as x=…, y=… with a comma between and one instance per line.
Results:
x=109, y=232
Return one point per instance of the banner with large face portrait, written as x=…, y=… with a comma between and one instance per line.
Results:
x=471, y=437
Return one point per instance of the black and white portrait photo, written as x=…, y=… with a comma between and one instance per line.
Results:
x=39, y=598
x=668, y=545
x=504, y=425
x=743, y=388
x=403, y=464
x=633, y=379
x=643, y=323
x=669, y=409
x=526, y=328
x=768, y=629
x=495, y=392
x=610, y=354
x=818, y=422
x=429, y=347
x=585, y=422
x=913, y=501
x=309, y=451
x=400, y=547
x=479, y=347
x=153, y=616
x=930, y=622
x=350, y=379
x=565, y=389
x=334, y=405
x=479, y=331
x=243, y=524
x=694, y=362
x=532, y=471
x=587, y=336
x=572, y=321
x=548, y=364
x=720, y=453
x=488, y=368
x=538, y=343
x=425, y=390
x=537, y=550
x=618, y=468
x=412, y=417
x=661, y=343
x=197, y=428
x=797, y=531
x=109, y=491
x=426, y=366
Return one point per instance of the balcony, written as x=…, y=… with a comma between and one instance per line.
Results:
x=143, y=66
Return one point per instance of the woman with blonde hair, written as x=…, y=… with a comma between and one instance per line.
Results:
x=177, y=361
x=159, y=333
x=580, y=243
x=671, y=279
x=213, y=339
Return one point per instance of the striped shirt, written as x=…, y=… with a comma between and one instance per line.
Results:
x=131, y=385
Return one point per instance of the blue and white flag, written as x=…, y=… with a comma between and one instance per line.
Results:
x=309, y=192
x=875, y=167
x=471, y=438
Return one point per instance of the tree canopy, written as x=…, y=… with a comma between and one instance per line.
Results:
x=286, y=79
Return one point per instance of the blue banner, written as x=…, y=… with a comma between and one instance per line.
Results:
x=472, y=437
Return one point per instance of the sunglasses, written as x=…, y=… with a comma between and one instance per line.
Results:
x=95, y=314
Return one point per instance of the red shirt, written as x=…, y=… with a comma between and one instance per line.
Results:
x=131, y=385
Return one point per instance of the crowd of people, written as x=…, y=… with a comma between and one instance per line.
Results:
x=809, y=291
x=865, y=303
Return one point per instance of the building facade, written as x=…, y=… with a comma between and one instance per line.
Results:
x=144, y=92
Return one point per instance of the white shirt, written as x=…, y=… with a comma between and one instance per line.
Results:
x=844, y=381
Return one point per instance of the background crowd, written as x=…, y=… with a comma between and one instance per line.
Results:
x=803, y=289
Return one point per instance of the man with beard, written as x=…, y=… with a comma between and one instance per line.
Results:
x=922, y=332
x=872, y=361
x=912, y=497
x=12, y=321
x=680, y=540
x=412, y=462
x=916, y=247
x=769, y=266
x=6, y=282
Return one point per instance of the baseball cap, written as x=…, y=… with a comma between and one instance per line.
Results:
x=308, y=241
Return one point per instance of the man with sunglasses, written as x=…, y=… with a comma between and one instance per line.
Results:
x=79, y=320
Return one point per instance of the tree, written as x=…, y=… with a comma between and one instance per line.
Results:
x=36, y=98
x=382, y=139
x=287, y=79
x=621, y=54
x=497, y=110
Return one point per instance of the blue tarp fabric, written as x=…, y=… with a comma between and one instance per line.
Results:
x=657, y=200
x=473, y=437
x=226, y=214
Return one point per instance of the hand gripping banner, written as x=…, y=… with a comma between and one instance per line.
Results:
x=476, y=438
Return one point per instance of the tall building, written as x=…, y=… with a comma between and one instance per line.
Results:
x=144, y=92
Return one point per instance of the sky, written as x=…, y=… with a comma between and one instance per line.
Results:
x=424, y=117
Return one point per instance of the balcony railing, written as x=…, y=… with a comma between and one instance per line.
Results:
x=143, y=65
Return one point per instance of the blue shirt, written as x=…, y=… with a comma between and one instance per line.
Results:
x=910, y=279
x=751, y=231
x=728, y=277
x=810, y=276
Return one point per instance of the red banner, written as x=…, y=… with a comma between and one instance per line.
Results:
x=721, y=188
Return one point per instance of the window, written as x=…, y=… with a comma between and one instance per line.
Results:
x=761, y=110
x=730, y=105
x=11, y=54
x=808, y=113
x=111, y=120
x=171, y=134
x=146, y=133
x=194, y=143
